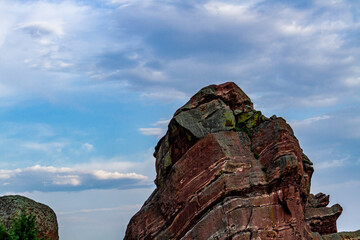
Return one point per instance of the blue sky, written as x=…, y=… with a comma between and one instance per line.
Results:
x=87, y=88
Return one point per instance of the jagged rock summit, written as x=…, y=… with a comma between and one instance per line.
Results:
x=225, y=171
x=45, y=217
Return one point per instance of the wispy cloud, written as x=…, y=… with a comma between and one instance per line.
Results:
x=159, y=129
x=88, y=147
x=46, y=147
x=331, y=163
x=151, y=131
x=49, y=178
x=164, y=94
x=309, y=121
x=93, y=210
x=162, y=123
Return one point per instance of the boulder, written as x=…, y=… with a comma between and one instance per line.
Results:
x=46, y=220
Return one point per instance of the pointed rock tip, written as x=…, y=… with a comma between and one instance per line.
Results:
x=230, y=93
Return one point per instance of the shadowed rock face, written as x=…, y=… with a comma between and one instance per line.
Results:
x=225, y=171
x=46, y=220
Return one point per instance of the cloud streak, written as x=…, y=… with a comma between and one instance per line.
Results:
x=51, y=179
x=331, y=164
x=309, y=121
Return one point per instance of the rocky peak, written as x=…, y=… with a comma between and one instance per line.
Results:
x=225, y=171
x=214, y=108
x=228, y=92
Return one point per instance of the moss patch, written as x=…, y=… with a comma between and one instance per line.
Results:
x=229, y=119
x=246, y=121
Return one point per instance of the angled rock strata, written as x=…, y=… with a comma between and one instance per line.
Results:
x=225, y=171
x=45, y=217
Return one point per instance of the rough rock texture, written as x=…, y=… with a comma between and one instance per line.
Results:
x=225, y=171
x=339, y=236
x=320, y=218
x=45, y=217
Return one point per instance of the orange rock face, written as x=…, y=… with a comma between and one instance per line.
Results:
x=225, y=171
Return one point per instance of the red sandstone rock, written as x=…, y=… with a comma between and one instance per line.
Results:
x=320, y=218
x=224, y=171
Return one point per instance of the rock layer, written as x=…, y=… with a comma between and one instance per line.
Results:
x=46, y=220
x=225, y=171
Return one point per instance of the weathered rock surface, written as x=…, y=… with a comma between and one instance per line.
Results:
x=320, y=218
x=338, y=236
x=45, y=217
x=225, y=171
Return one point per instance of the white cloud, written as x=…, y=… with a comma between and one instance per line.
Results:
x=238, y=12
x=49, y=169
x=165, y=94
x=151, y=131
x=318, y=101
x=49, y=178
x=104, y=175
x=162, y=123
x=42, y=36
x=159, y=130
x=92, y=210
x=88, y=147
x=296, y=29
x=352, y=82
x=46, y=147
x=309, y=121
x=72, y=180
x=331, y=163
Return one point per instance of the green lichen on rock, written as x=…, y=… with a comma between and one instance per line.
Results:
x=305, y=159
x=247, y=120
x=221, y=173
x=229, y=119
x=251, y=119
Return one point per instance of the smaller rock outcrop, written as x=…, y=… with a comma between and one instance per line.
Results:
x=46, y=220
x=320, y=218
x=338, y=236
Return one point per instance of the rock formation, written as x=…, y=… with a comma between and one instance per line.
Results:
x=46, y=220
x=225, y=171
